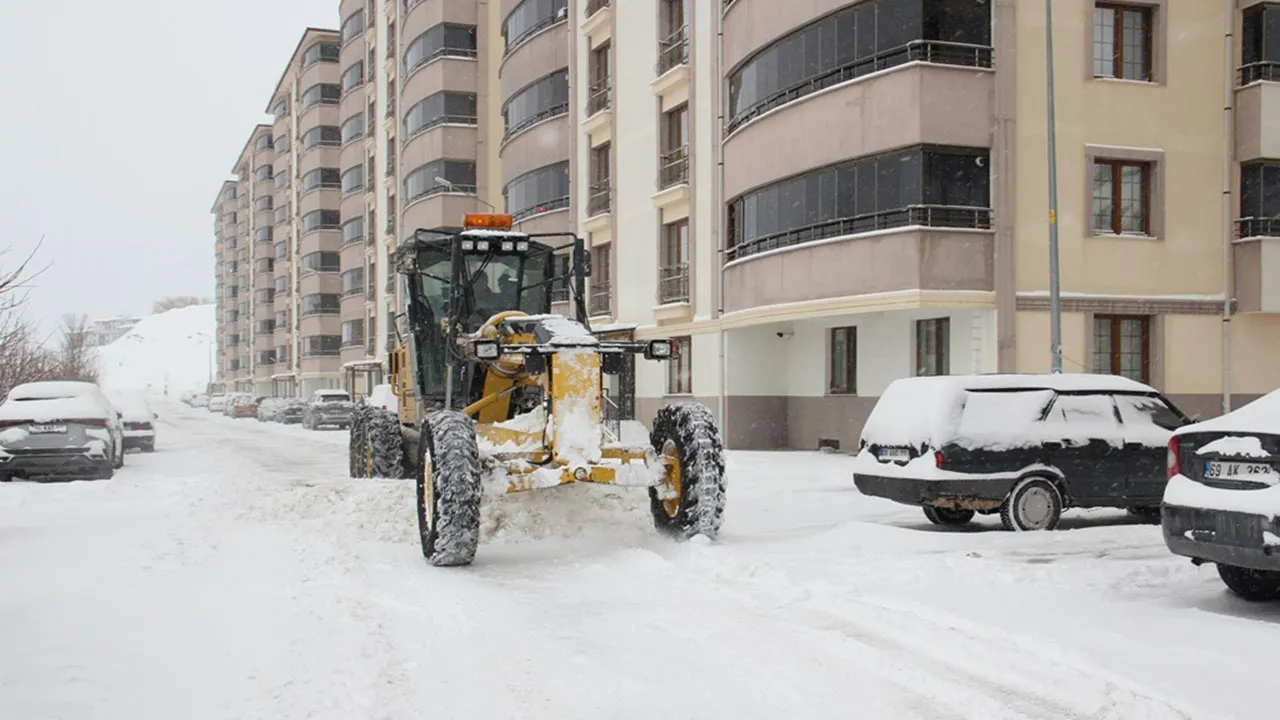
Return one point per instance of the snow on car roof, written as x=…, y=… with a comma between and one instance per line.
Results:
x=49, y=389
x=919, y=411
x=48, y=410
x=1260, y=416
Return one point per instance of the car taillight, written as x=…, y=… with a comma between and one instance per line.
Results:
x=937, y=459
x=1172, y=461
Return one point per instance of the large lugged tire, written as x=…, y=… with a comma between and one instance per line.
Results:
x=686, y=435
x=1249, y=584
x=382, y=432
x=357, y=445
x=449, y=489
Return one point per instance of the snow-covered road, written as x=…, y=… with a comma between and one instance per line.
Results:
x=237, y=574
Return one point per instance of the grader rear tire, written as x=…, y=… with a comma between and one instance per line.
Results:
x=386, y=446
x=449, y=489
x=357, y=444
x=686, y=436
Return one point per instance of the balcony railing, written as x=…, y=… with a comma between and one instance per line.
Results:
x=1248, y=227
x=1254, y=72
x=556, y=204
x=599, y=96
x=595, y=6
x=352, y=342
x=673, y=50
x=599, y=199
x=600, y=300
x=673, y=283
x=352, y=292
x=673, y=167
x=560, y=295
x=944, y=216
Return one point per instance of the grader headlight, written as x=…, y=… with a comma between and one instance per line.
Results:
x=658, y=350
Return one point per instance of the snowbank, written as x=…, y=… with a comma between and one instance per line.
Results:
x=172, y=349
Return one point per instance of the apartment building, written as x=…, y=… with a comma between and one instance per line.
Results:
x=814, y=198
x=840, y=194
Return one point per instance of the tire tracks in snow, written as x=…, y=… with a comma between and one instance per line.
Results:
x=979, y=671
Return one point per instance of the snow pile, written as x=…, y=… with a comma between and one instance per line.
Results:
x=1235, y=446
x=172, y=349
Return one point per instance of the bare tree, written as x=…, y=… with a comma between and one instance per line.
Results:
x=75, y=357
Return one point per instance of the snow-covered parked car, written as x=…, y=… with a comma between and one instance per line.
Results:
x=59, y=429
x=289, y=411
x=216, y=403
x=139, y=422
x=1222, y=501
x=1025, y=446
x=328, y=407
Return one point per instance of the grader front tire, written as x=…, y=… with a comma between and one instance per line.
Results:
x=358, y=444
x=686, y=437
x=449, y=489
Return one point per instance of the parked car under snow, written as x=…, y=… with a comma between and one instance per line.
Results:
x=1222, y=501
x=59, y=430
x=139, y=423
x=328, y=407
x=1025, y=446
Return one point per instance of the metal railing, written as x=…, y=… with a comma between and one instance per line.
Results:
x=673, y=167
x=352, y=292
x=937, y=52
x=595, y=6
x=353, y=342
x=673, y=51
x=600, y=298
x=944, y=216
x=514, y=41
x=673, y=283
x=1266, y=71
x=1248, y=227
x=557, y=204
x=599, y=198
x=534, y=119
x=559, y=295
x=599, y=96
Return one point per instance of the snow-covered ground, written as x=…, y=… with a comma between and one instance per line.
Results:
x=237, y=573
x=172, y=349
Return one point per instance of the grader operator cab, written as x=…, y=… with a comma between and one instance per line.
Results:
x=497, y=395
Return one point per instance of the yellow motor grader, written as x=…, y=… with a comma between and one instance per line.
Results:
x=498, y=395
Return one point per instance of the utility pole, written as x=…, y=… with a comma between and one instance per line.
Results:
x=1055, y=298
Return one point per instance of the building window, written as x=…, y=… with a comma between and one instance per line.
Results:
x=263, y=172
x=601, y=291
x=321, y=220
x=860, y=39
x=1121, y=197
x=353, y=76
x=680, y=367
x=673, y=163
x=1122, y=41
x=540, y=100
x=353, y=281
x=598, y=94
x=321, y=261
x=933, y=346
x=320, y=52
x=352, y=179
x=352, y=128
x=322, y=136
x=353, y=26
x=460, y=176
x=1259, y=199
x=531, y=16
x=440, y=108
x=321, y=178
x=322, y=93
x=599, y=195
x=321, y=345
x=923, y=186
x=1260, y=44
x=538, y=191
x=843, y=361
x=1122, y=346
x=263, y=142
x=443, y=40
x=353, y=230
x=353, y=333
x=673, y=272
x=321, y=304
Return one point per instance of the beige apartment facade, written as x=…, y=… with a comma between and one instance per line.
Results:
x=882, y=209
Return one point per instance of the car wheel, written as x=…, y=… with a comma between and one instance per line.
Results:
x=1249, y=584
x=947, y=516
x=1034, y=504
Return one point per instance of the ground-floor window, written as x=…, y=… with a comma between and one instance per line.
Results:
x=1122, y=346
x=933, y=346
x=680, y=367
x=843, y=361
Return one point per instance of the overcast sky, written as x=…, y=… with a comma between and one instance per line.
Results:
x=121, y=119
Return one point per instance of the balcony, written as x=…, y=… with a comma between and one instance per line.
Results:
x=673, y=284
x=600, y=299
x=599, y=199
x=595, y=6
x=597, y=22
x=599, y=97
x=673, y=168
x=673, y=51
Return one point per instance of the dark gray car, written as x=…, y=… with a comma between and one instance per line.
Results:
x=59, y=436
x=328, y=407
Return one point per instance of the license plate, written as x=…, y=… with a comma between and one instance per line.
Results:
x=1229, y=469
x=47, y=428
x=895, y=454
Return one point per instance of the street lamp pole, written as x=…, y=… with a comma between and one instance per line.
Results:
x=1055, y=297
